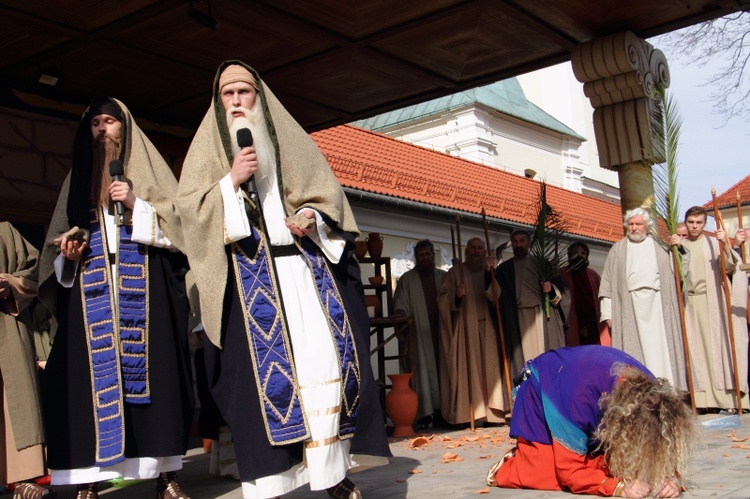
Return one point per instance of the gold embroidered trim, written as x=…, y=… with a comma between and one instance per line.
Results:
x=319, y=385
x=315, y=413
x=312, y=444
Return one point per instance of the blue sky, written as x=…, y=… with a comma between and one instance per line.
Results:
x=709, y=155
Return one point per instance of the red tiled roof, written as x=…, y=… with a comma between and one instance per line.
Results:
x=729, y=197
x=375, y=163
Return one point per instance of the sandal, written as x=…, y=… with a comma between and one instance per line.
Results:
x=168, y=488
x=30, y=490
x=345, y=490
x=87, y=491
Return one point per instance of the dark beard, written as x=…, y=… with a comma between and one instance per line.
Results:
x=103, y=153
x=520, y=253
x=475, y=262
x=425, y=268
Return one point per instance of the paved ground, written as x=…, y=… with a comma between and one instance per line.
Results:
x=722, y=469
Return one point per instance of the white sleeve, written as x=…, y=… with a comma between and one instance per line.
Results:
x=605, y=307
x=236, y=223
x=329, y=242
x=65, y=270
x=146, y=228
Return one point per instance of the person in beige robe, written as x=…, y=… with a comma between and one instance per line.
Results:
x=21, y=432
x=416, y=296
x=528, y=330
x=470, y=353
x=706, y=317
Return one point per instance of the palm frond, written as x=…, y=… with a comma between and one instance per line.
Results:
x=545, y=250
x=667, y=126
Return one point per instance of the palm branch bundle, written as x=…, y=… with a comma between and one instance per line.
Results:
x=546, y=239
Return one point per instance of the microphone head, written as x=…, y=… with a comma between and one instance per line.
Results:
x=116, y=168
x=244, y=138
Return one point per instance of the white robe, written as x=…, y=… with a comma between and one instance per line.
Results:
x=326, y=458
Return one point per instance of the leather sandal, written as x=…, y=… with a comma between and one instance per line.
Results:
x=493, y=469
x=87, y=491
x=30, y=490
x=168, y=488
x=345, y=490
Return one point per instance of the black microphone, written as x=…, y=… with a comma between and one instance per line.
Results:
x=116, y=170
x=245, y=139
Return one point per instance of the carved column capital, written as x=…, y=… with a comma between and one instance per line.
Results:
x=620, y=73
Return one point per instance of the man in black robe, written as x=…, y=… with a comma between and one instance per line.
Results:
x=117, y=395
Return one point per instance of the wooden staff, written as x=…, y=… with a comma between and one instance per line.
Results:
x=727, y=300
x=683, y=328
x=501, y=334
x=465, y=319
x=739, y=222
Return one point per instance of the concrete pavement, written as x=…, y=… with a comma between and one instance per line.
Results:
x=453, y=464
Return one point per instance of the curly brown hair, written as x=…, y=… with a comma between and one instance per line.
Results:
x=647, y=430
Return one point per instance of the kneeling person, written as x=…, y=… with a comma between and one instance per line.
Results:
x=593, y=420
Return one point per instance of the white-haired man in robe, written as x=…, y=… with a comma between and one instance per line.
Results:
x=638, y=299
x=280, y=294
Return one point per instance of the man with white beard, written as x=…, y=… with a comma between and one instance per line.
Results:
x=280, y=295
x=638, y=299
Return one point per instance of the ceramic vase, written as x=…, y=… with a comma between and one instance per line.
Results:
x=375, y=244
x=360, y=249
x=401, y=404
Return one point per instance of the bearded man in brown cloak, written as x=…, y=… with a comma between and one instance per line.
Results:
x=280, y=295
x=21, y=432
x=117, y=395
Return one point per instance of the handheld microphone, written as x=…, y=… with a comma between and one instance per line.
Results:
x=116, y=170
x=245, y=139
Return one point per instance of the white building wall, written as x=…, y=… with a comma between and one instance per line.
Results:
x=556, y=90
x=493, y=139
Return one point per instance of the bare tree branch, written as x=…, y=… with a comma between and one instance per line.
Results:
x=727, y=39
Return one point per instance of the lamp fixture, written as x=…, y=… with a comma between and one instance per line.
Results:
x=50, y=75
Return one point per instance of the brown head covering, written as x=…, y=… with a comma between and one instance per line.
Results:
x=304, y=176
x=235, y=73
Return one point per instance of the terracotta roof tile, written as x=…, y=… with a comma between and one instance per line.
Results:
x=375, y=163
x=729, y=197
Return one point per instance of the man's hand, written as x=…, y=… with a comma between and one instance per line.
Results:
x=669, y=489
x=461, y=290
x=739, y=237
x=72, y=250
x=637, y=489
x=721, y=235
x=675, y=240
x=546, y=287
x=4, y=288
x=301, y=227
x=120, y=191
x=489, y=263
x=244, y=166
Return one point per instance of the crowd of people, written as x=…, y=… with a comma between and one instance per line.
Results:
x=257, y=263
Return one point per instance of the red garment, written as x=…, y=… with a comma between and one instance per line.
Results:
x=553, y=467
x=583, y=289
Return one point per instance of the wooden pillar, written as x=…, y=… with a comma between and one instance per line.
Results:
x=620, y=73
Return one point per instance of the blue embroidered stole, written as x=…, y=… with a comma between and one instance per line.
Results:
x=270, y=345
x=117, y=334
